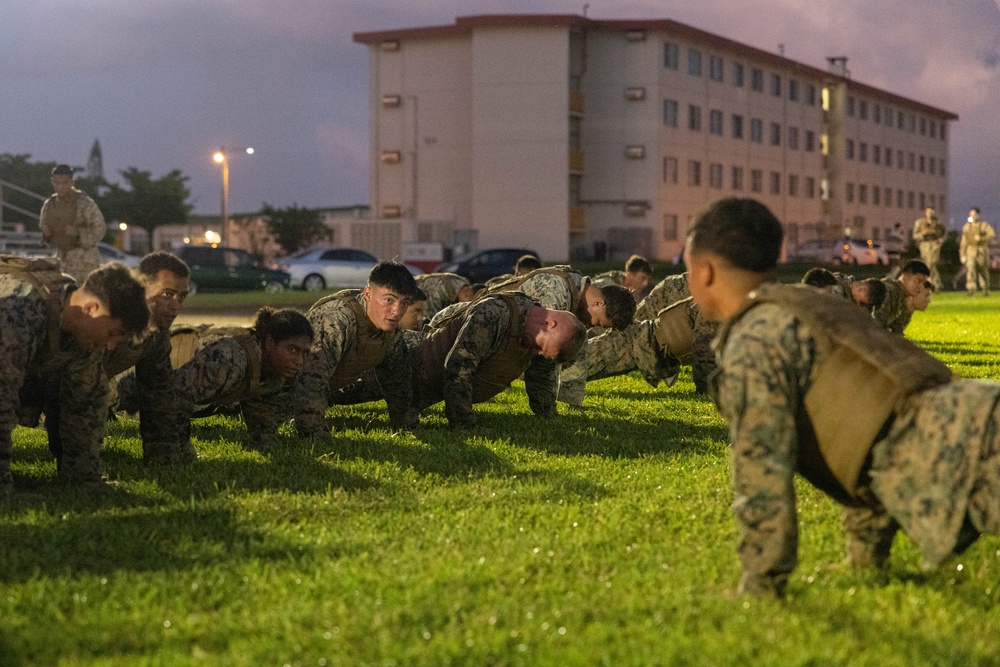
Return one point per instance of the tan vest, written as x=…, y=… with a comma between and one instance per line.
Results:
x=59, y=214
x=46, y=277
x=564, y=271
x=853, y=393
x=674, y=330
x=368, y=348
x=493, y=374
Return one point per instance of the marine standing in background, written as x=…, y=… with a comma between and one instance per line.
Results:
x=810, y=385
x=974, y=251
x=53, y=336
x=929, y=233
x=165, y=279
x=72, y=222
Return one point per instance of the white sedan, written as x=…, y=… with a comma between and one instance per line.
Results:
x=326, y=268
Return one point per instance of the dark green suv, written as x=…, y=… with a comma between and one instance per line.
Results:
x=222, y=269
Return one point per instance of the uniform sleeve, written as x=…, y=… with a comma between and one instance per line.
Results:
x=160, y=410
x=18, y=346
x=758, y=395
x=334, y=328
x=486, y=325
x=264, y=414
x=549, y=290
x=90, y=227
x=43, y=222
x=394, y=375
x=541, y=382
x=83, y=400
x=217, y=370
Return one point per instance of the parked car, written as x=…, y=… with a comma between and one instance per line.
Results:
x=109, y=253
x=323, y=268
x=844, y=251
x=229, y=270
x=485, y=264
x=813, y=251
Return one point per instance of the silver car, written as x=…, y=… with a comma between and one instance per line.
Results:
x=326, y=268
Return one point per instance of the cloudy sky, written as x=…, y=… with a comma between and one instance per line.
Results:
x=163, y=83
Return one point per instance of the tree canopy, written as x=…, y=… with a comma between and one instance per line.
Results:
x=294, y=227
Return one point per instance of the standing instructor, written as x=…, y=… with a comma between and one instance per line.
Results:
x=72, y=222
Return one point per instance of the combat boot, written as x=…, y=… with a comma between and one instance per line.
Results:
x=159, y=454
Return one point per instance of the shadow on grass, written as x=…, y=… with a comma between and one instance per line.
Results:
x=137, y=541
x=974, y=349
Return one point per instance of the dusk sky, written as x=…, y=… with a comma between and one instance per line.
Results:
x=163, y=84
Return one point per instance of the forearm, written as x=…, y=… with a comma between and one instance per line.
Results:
x=541, y=379
x=91, y=228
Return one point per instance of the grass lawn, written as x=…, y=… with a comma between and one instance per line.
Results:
x=603, y=537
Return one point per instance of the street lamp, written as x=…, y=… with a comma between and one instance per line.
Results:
x=222, y=157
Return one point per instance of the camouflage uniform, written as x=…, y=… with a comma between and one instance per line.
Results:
x=615, y=277
x=155, y=396
x=486, y=333
x=367, y=388
x=42, y=369
x=441, y=289
x=934, y=467
x=619, y=352
x=496, y=280
x=338, y=346
x=226, y=370
x=893, y=314
x=975, y=248
x=78, y=253
x=930, y=233
x=843, y=286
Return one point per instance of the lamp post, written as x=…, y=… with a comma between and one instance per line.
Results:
x=222, y=157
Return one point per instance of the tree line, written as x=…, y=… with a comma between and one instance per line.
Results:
x=142, y=201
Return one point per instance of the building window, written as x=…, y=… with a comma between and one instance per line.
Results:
x=923, y=164
x=775, y=85
x=888, y=156
x=810, y=187
x=863, y=194
x=756, y=130
x=911, y=162
x=694, y=62
x=877, y=154
x=923, y=201
x=942, y=137
x=775, y=134
x=737, y=174
x=737, y=126
x=670, y=55
x=715, y=121
x=775, y=183
x=850, y=105
x=694, y=117
x=933, y=203
x=933, y=165
x=810, y=94
x=863, y=151
x=900, y=160
x=694, y=172
x=942, y=168
x=670, y=170
x=756, y=180
x=863, y=109
x=876, y=195
x=738, y=75
x=900, y=120
x=899, y=198
x=913, y=125
x=849, y=192
x=888, y=196
x=715, y=68
x=793, y=185
x=793, y=138
x=670, y=113
x=715, y=175
x=793, y=90
x=911, y=201
x=933, y=129
x=923, y=130
x=810, y=141
x=757, y=79
x=669, y=227
x=849, y=149
x=877, y=113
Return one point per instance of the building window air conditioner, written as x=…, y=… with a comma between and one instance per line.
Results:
x=635, y=36
x=635, y=93
x=636, y=152
x=389, y=45
x=392, y=101
x=636, y=209
x=390, y=157
x=391, y=211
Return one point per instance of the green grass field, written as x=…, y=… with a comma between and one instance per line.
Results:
x=603, y=537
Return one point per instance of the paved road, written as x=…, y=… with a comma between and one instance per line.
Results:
x=212, y=318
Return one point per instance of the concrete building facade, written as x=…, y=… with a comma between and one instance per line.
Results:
x=582, y=137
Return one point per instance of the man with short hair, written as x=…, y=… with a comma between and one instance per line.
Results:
x=54, y=336
x=72, y=222
x=416, y=313
x=893, y=314
x=922, y=300
x=525, y=264
x=974, y=251
x=635, y=277
x=929, y=232
x=151, y=384
x=918, y=450
x=443, y=289
x=357, y=330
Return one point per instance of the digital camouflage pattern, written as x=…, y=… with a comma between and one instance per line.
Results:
x=938, y=463
x=77, y=252
x=486, y=329
x=974, y=251
x=929, y=234
x=145, y=359
x=367, y=388
x=42, y=370
x=222, y=373
x=893, y=315
x=441, y=289
x=615, y=277
x=336, y=329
